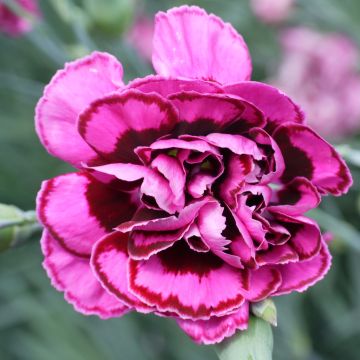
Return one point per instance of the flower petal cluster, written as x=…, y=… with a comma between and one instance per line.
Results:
x=192, y=185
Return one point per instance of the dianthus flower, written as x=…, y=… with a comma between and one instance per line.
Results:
x=191, y=185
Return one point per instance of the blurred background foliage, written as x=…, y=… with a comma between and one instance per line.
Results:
x=35, y=322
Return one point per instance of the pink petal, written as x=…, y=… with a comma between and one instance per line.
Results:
x=301, y=275
x=173, y=171
x=260, y=283
x=165, y=281
x=276, y=106
x=201, y=114
x=216, y=329
x=167, y=86
x=211, y=224
x=109, y=261
x=281, y=254
x=275, y=157
x=305, y=235
x=192, y=44
x=236, y=170
x=70, y=91
x=296, y=198
x=78, y=210
x=307, y=154
x=116, y=124
x=73, y=275
x=150, y=220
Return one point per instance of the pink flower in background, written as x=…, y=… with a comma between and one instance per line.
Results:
x=272, y=11
x=140, y=36
x=14, y=25
x=192, y=184
x=320, y=72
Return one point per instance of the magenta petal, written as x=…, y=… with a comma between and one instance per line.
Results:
x=73, y=275
x=167, y=86
x=189, y=43
x=295, y=198
x=281, y=254
x=78, y=210
x=173, y=171
x=276, y=106
x=70, y=91
x=301, y=275
x=116, y=124
x=260, y=283
x=201, y=114
x=320, y=163
x=165, y=280
x=216, y=329
x=109, y=261
x=305, y=235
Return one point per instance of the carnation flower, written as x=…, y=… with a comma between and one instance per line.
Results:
x=191, y=187
x=327, y=86
x=13, y=24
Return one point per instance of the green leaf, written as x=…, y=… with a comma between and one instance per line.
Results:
x=342, y=229
x=256, y=343
x=265, y=310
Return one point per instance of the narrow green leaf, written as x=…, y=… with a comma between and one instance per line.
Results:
x=256, y=343
x=342, y=229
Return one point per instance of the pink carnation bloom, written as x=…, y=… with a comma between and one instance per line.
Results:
x=140, y=36
x=14, y=25
x=192, y=184
x=272, y=11
x=319, y=72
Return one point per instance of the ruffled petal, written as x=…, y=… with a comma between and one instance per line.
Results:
x=276, y=106
x=191, y=284
x=307, y=154
x=116, y=124
x=73, y=275
x=189, y=43
x=78, y=210
x=69, y=92
x=202, y=114
x=109, y=261
x=299, y=276
x=295, y=198
x=167, y=86
x=216, y=329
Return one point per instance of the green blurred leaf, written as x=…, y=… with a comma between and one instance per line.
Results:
x=255, y=343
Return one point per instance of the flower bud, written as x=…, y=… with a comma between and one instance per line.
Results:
x=265, y=310
x=16, y=226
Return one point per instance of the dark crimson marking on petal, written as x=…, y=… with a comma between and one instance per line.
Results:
x=197, y=243
x=297, y=163
x=108, y=206
x=289, y=196
x=172, y=301
x=271, y=287
x=130, y=139
x=180, y=259
x=138, y=250
x=199, y=127
x=294, y=229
